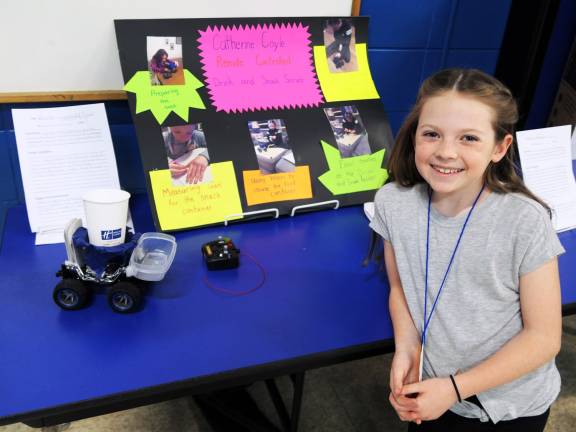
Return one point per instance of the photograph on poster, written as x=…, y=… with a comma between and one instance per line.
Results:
x=187, y=154
x=349, y=131
x=165, y=61
x=340, y=44
x=271, y=146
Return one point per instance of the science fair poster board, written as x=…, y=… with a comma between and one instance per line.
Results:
x=237, y=115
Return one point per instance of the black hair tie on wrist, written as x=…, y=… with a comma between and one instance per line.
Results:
x=455, y=388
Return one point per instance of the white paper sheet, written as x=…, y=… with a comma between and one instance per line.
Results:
x=49, y=237
x=369, y=210
x=546, y=160
x=574, y=144
x=63, y=152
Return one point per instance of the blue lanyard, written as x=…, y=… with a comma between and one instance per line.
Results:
x=427, y=320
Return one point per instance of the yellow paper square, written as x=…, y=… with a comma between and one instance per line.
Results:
x=344, y=86
x=264, y=188
x=195, y=205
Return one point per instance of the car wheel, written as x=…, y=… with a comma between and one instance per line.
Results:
x=124, y=297
x=71, y=294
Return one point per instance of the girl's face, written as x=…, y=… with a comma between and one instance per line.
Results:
x=454, y=143
x=182, y=134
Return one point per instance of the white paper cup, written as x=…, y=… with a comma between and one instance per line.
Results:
x=106, y=212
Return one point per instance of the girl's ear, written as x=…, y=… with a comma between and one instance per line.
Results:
x=501, y=148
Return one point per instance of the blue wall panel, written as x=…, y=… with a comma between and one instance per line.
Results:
x=13, y=150
x=412, y=39
x=479, y=24
x=479, y=59
x=118, y=113
x=396, y=118
x=8, y=188
x=128, y=159
x=407, y=24
x=434, y=60
x=396, y=74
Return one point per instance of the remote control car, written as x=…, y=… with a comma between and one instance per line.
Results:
x=220, y=254
x=122, y=269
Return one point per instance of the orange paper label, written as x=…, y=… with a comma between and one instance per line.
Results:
x=264, y=188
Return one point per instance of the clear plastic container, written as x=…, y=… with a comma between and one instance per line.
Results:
x=152, y=256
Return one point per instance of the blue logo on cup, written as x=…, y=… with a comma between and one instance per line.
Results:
x=111, y=234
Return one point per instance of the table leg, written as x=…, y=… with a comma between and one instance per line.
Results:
x=298, y=381
x=233, y=409
x=278, y=403
x=56, y=428
x=289, y=423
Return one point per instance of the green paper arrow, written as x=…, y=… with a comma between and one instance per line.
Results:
x=163, y=99
x=355, y=174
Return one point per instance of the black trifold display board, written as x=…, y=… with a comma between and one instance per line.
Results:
x=236, y=115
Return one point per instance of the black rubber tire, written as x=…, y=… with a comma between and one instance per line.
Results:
x=71, y=294
x=124, y=297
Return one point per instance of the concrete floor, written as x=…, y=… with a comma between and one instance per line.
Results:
x=350, y=397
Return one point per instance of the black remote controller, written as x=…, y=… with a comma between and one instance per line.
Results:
x=221, y=254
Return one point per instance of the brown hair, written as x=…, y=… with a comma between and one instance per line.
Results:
x=500, y=177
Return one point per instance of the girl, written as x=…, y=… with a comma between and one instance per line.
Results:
x=350, y=124
x=160, y=64
x=470, y=256
x=274, y=134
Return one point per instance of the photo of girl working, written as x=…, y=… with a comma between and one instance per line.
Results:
x=340, y=43
x=349, y=132
x=270, y=141
x=165, y=61
x=187, y=154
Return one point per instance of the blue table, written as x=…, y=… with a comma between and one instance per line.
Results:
x=317, y=307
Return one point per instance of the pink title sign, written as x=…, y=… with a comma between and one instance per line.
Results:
x=259, y=67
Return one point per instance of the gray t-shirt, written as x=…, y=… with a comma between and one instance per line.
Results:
x=507, y=236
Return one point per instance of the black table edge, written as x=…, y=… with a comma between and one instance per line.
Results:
x=205, y=384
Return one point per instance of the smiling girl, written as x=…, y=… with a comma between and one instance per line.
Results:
x=471, y=261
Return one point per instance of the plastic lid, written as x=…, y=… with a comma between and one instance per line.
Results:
x=152, y=256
